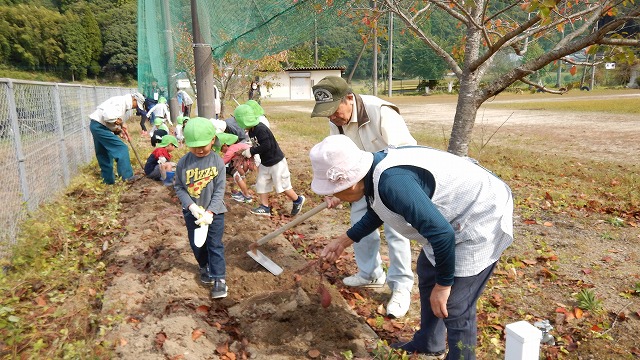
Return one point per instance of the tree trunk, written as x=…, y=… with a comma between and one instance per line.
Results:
x=469, y=99
x=633, y=79
x=465, y=117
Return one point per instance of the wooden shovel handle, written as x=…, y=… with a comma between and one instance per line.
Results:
x=293, y=223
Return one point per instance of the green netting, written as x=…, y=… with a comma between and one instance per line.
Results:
x=251, y=29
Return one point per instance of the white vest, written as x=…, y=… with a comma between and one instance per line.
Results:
x=477, y=204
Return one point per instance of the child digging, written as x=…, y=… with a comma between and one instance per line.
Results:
x=237, y=165
x=200, y=185
x=159, y=162
x=273, y=170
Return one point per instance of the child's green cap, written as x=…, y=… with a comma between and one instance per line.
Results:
x=226, y=139
x=199, y=132
x=162, y=100
x=181, y=119
x=245, y=116
x=166, y=140
x=257, y=109
x=157, y=121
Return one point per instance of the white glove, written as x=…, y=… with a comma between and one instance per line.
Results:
x=206, y=219
x=197, y=211
x=246, y=153
x=162, y=160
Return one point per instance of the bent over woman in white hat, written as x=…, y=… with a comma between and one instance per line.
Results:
x=461, y=213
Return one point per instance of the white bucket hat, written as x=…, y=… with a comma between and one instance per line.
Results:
x=139, y=99
x=337, y=164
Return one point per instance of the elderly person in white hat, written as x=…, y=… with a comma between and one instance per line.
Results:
x=107, y=121
x=461, y=213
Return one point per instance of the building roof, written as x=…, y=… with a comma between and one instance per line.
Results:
x=311, y=68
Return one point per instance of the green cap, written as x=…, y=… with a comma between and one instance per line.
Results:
x=181, y=119
x=245, y=116
x=257, y=109
x=328, y=93
x=162, y=100
x=199, y=132
x=166, y=140
x=157, y=121
x=225, y=139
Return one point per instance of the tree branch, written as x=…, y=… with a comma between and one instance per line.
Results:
x=421, y=35
x=542, y=87
x=619, y=42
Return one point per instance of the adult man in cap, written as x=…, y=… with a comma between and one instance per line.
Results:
x=107, y=123
x=373, y=125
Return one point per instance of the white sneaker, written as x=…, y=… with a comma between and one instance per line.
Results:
x=359, y=281
x=399, y=303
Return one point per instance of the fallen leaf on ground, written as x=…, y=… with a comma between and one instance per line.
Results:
x=548, y=224
x=222, y=348
x=41, y=301
x=313, y=353
x=578, y=313
x=196, y=334
x=160, y=339
x=586, y=271
x=202, y=309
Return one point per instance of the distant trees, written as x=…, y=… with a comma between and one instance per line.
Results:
x=75, y=38
x=31, y=37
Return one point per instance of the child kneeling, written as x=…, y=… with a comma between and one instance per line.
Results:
x=159, y=162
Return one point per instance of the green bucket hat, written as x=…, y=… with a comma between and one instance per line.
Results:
x=199, y=132
x=157, y=121
x=162, y=100
x=166, y=140
x=245, y=116
x=225, y=139
x=181, y=119
x=328, y=93
x=257, y=109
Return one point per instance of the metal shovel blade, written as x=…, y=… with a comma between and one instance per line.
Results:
x=200, y=235
x=266, y=262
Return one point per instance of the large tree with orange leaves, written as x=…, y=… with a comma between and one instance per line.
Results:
x=488, y=27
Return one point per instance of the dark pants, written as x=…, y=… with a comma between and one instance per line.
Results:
x=460, y=327
x=110, y=147
x=212, y=252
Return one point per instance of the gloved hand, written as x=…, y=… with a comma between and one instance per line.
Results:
x=162, y=160
x=196, y=210
x=206, y=219
x=246, y=153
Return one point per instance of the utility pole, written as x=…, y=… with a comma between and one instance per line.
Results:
x=375, y=49
x=315, y=40
x=390, y=62
x=202, y=57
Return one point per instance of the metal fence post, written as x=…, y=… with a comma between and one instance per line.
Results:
x=17, y=140
x=63, y=147
x=84, y=124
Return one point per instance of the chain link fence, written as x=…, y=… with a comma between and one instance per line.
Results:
x=44, y=139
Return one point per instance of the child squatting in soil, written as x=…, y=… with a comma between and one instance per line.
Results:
x=237, y=165
x=273, y=170
x=200, y=184
x=159, y=161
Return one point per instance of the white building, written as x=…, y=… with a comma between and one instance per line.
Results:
x=295, y=83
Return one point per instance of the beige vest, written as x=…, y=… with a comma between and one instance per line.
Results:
x=477, y=204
